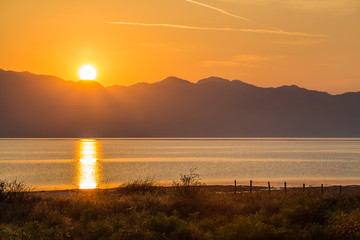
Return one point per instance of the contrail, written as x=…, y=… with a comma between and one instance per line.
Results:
x=229, y=14
x=221, y=10
x=279, y=32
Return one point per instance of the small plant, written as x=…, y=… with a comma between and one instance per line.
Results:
x=12, y=191
x=138, y=186
x=162, y=226
x=189, y=185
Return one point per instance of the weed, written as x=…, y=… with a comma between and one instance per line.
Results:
x=13, y=191
x=189, y=185
x=138, y=186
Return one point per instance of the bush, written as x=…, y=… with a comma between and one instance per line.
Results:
x=13, y=191
x=250, y=228
x=99, y=229
x=179, y=212
x=316, y=231
x=188, y=186
x=164, y=227
x=346, y=225
x=138, y=186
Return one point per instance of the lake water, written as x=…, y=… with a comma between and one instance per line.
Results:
x=90, y=163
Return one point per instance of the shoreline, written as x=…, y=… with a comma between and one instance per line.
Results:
x=276, y=183
x=240, y=189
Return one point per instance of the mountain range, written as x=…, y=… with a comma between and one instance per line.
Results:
x=46, y=106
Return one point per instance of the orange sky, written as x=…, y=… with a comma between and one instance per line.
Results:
x=311, y=43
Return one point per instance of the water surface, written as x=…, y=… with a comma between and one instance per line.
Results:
x=90, y=163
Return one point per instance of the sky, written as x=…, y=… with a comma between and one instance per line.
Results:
x=309, y=43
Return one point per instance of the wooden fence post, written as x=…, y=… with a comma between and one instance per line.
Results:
x=235, y=187
x=250, y=186
x=340, y=189
x=303, y=187
x=269, y=187
x=322, y=190
x=285, y=187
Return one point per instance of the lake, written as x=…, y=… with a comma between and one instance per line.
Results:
x=89, y=163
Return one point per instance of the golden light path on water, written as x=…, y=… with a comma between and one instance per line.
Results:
x=88, y=166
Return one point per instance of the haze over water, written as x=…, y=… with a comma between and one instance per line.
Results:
x=91, y=163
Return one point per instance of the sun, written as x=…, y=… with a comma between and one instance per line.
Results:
x=87, y=72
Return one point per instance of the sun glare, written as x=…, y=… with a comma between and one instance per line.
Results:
x=88, y=166
x=87, y=72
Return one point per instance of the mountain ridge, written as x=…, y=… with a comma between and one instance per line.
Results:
x=46, y=106
x=174, y=79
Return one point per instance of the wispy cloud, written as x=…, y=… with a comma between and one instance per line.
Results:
x=230, y=14
x=221, y=11
x=249, y=30
x=250, y=58
x=244, y=60
x=212, y=63
x=166, y=47
x=304, y=42
x=335, y=6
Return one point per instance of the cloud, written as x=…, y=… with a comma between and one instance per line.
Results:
x=243, y=60
x=230, y=14
x=336, y=6
x=211, y=63
x=221, y=11
x=249, y=30
x=250, y=58
x=322, y=5
x=214, y=63
x=304, y=42
x=166, y=47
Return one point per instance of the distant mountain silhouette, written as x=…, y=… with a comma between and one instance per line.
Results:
x=46, y=106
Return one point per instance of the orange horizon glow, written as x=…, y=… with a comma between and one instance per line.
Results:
x=309, y=43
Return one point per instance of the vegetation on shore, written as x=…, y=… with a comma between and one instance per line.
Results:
x=187, y=210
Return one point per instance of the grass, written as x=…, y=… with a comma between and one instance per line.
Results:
x=139, y=186
x=186, y=210
x=13, y=191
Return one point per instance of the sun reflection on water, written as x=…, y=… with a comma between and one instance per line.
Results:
x=88, y=165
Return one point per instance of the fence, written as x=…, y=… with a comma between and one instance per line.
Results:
x=338, y=189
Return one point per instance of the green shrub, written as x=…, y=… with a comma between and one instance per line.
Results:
x=10, y=232
x=163, y=227
x=346, y=225
x=243, y=228
x=302, y=211
x=99, y=229
x=316, y=231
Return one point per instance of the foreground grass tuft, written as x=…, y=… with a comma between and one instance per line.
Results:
x=186, y=210
x=139, y=186
x=13, y=191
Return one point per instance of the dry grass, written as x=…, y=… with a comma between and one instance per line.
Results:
x=187, y=210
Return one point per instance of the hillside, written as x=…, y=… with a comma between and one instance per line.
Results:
x=46, y=106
